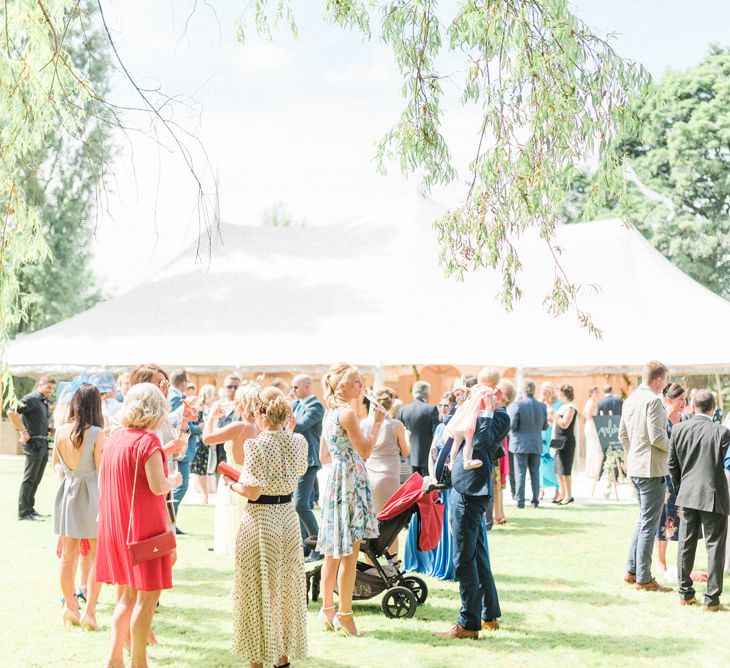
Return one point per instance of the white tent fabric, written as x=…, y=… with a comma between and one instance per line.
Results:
x=372, y=292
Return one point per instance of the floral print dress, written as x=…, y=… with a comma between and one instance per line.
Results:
x=348, y=514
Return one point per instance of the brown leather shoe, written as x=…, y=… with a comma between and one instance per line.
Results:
x=688, y=601
x=490, y=625
x=714, y=608
x=459, y=632
x=629, y=578
x=652, y=585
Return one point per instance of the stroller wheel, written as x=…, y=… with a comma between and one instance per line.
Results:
x=418, y=588
x=399, y=603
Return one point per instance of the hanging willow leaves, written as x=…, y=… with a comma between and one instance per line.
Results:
x=550, y=92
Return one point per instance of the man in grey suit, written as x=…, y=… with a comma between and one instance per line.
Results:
x=643, y=435
x=698, y=453
x=529, y=418
x=421, y=419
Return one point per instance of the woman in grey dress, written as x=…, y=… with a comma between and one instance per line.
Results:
x=383, y=465
x=76, y=458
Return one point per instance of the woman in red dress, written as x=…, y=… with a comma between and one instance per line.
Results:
x=134, y=454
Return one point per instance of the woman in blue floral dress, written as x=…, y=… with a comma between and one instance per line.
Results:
x=348, y=515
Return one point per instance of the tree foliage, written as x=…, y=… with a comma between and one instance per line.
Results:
x=550, y=92
x=64, y=182
x=681, y=151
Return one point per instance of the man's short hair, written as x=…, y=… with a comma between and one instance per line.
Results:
x=528, y=387
x=47, y=379
x=508, y=391
x=421, y=389
x=607, y=389
x=231, y=376
x=704, y=401
x=470, y=381
x=653, y=370
x=178, y=377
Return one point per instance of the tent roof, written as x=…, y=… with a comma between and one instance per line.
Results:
x=371, y=292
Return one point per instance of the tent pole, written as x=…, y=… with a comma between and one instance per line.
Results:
x=718, y=384
x=519, y=379
x=379, y=376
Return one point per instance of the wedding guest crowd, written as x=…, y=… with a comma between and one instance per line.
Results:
x=124, y=453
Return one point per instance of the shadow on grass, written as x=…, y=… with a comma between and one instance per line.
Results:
x=541, y=525
x=508, y=642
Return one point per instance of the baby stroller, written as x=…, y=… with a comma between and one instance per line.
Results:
x=403, y=593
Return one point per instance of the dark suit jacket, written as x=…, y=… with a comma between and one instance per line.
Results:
x=697, y=451
x=529, y=420
x=421, y=419
x=479, y=482
x=309, y=415
x=610, y=405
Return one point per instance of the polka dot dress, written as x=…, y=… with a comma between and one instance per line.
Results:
x=269, y=600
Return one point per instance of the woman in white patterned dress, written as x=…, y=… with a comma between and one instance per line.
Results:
x=229, y=506
x=348, y=514
x=269, y=594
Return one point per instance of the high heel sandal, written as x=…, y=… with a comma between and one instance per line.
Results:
x=339, y=627
x=327, y=625
x=70, y=617
x=88, y=623
x=567, y=501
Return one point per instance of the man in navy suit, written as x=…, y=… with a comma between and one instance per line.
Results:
x=308, y=412
x=471, y=492
x=610, y=404
x=528, y=418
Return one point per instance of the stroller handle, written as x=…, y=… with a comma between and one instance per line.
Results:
x=434, y=488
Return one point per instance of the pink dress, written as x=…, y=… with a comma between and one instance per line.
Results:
x=465, y=418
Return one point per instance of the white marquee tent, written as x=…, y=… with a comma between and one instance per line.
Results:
x=371, y=292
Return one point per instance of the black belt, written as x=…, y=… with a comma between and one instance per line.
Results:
x=271, y=500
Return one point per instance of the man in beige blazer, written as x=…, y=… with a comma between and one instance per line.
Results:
x=643, y=434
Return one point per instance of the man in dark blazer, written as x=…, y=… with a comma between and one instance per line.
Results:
x=698, y=454
x=421, y=420
x=610, y=404
x=471, y=492
x=308, y=413
x=529, y=419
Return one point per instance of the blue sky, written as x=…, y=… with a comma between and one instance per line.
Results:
x=296, y=121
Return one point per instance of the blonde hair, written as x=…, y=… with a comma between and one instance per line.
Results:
x=272, y=405
x=332, y=382
x=206, y=396
x=547, y=385
x=246, y=398
x=144, y=407
x=489, y=377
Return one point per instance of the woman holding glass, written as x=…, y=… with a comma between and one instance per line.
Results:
x=348, y=513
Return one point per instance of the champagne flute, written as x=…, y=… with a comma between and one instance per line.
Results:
x=370, y=396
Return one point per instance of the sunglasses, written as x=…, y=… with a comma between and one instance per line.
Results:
x=232, y=387
x=444, y=405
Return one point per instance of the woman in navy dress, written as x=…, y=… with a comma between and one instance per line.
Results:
x=675, y=399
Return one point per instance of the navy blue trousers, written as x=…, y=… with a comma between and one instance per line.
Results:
x=479, y=599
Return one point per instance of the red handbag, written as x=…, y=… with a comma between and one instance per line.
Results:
x=229, y=471
x=148, y=548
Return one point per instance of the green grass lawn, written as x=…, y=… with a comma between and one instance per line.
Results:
x=558, y=572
